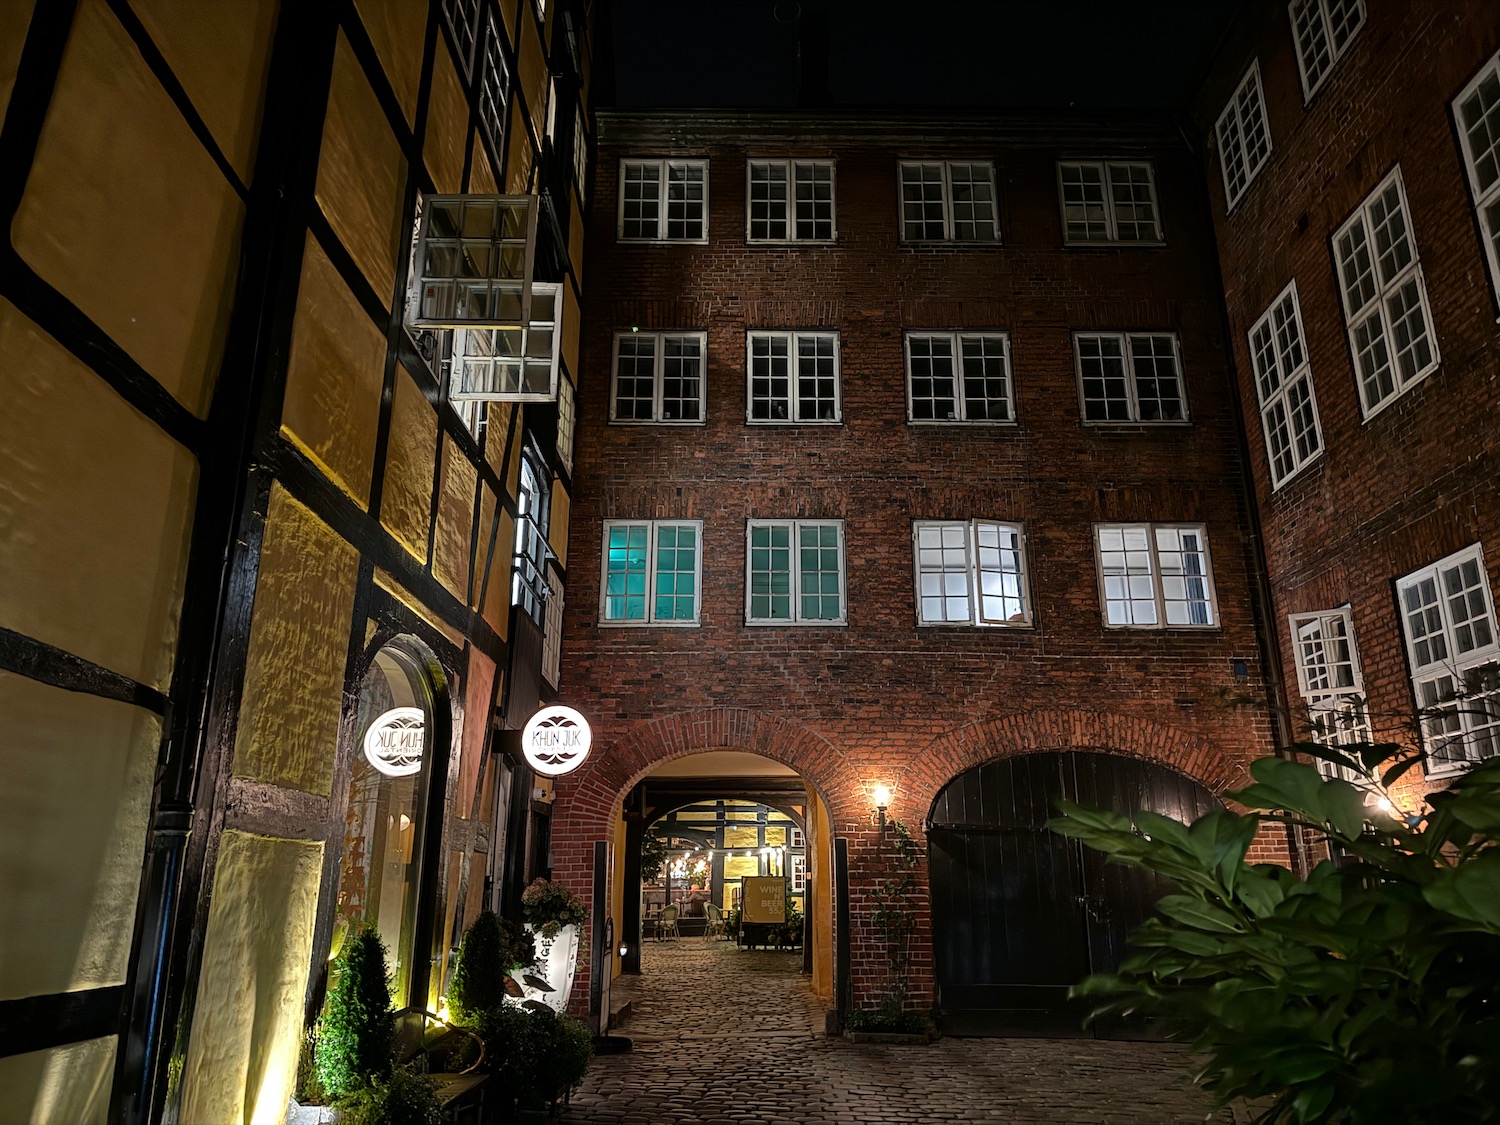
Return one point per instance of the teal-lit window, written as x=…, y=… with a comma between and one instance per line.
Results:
x=795, y=572
x=651, y=572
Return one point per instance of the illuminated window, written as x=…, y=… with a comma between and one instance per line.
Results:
x=1283, y=384
x=1129, y=377
x=511, y=364
x=794, y=377
x=958, y=377
x=528, y=584
x=970, y=572
x=651, y=572
x=789, y=201
x=663, y=201
x=1323, y=30
x=658, y=377
x=794, y=572
x=1155, y=575
x=1477, y=110
x=948, y=201
x=1385, y=297
x=1244, y=137
x=1448, y=616
x=1109, y=201
x=1328, y=674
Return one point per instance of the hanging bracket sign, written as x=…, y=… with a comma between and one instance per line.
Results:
x=556, y=741
x=393, y=744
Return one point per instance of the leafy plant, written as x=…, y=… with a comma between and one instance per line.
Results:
x=653, y=855
x=549, y=906
x=356, y=1037
x=1370, y=992
x=404, y=1098
x=534, y=1050
x=492, y=949
x=895, y=913
x=732, y=922
x=890, y=1016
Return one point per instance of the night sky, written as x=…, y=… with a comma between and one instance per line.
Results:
x=1130, y=54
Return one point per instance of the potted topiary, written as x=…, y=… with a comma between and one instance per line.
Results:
x=555, y=915
x=493, y=951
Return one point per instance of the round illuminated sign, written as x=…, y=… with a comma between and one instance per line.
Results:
x=393, y=744
x=556, y=741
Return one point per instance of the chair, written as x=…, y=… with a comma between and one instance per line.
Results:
x=715, y=927
x=666, y=924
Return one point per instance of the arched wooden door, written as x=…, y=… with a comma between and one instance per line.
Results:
x=1020, y=913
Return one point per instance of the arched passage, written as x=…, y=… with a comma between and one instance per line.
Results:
x=1019, y=913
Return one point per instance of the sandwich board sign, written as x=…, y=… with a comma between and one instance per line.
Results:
x=764, y=899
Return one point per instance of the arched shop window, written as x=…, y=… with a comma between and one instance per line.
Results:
x=391, y=790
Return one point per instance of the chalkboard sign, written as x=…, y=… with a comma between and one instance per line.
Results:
x=764, y=899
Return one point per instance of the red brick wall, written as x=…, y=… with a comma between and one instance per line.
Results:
x=1420, y=479
x=883, y=700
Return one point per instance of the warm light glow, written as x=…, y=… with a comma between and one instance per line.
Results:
x=1384, y=805
x=882, y=796
x=442, y=1012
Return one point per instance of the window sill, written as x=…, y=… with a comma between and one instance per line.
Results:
x=793, y=422
x=662, y=241
x=1406, y=388
x=949, y=244
x=980, y=626
x=791, y=243
x=628, y=422
x=1134, y=427
x=1214, y=628
x=648, y=624
x=754, y=623
x=1118, y=244
x=983, y=423
x=1299, y=473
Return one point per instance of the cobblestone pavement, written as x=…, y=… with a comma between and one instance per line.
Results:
x=733, y=1037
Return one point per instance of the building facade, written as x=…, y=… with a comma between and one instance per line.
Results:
x=1351, y=165
x=272, y=551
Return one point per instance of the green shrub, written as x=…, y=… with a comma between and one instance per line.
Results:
x=492, y=948
x=356, y=1035
x=566, y=1050
x=405, y=1098
x=534, y=1051
x=1370, y=992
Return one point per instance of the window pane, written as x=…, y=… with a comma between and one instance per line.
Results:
x=770, y=380
x=1085, y=216
x=635, y=378
x=922, y=202
x=933, y=394
x=1158, y=387
x=1101, y=364
x=986, y=378
x=768, y=217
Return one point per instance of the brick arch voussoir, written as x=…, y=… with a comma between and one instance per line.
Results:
x=1036, y=732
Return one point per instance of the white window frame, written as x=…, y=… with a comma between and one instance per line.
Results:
x=663, y=166
x=795, y=527
x=444, y=292
x=1230, y=135
x=789, y=168
x=1320, y=23
x=1435, y=676
x=947, y=202
x=531, y=550
x=494, y=88
x=961, y=407
x=1486, y=198
x=552, y=628
x=1284, y=386
x=658, y=379
x=477, y=350
x=1383, y=291
x=1132, y=385
x=794, y=341
x=463, y=18
x=580, y=155
x=1337, y=709
x=567, y=421
x=798, y=871
x=1156, y=577
x=1106, y=170
x=974, y=572
x=653, y=530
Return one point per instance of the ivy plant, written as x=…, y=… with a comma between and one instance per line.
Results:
x=1368, y=992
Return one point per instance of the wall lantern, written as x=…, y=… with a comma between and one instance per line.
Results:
x=881, y=795
x=556, y=741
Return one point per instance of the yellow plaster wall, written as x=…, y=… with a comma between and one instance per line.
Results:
x=78, y=771
x=126, y=214
x=247, y=1025
x=521, y=157
x=80, y=468
x=334, y=376
x=557, y=528
x=220, y=54
x=487, y=505
x=739, y=867
x=65, y=1084
x=15, y=15
x=397, y=28
x=406, y=501
x=455, y=522
x=532, y=64
x=299, y=646
x=392, y=585
x=360, y=174
x=481, y=175
x=820, y=867
x=575, y=242
x=571, y=326
x=497, y=586
x=746, y=836
x=447, y=126
x=476, y=721
x=501, y=417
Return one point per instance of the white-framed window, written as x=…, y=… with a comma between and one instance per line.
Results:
x=1328, y=674
x=1155, y=575
x=511, y=364
x=1244, y=136
x=1129, y=377
x=794, y=572
x=795, y=839
x=552, y=628
x=1323, y=30
x=494, y=89
x=1283, y=385
x=1477, y=111
x=567, y=421
x=948, y=201
x=793, y=377
x=472, y=262
x=528, y=578
x=1385, y=298
x=799, y=874
x=958, y=377
x=658, y=377
x=462, y=17
x=663, y=200
x=789, y=201
x=652, y=572
x=1108, y=201
x=970, y=572
x=581, y=154
x=1448, y=617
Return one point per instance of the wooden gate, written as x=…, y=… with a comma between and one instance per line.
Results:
x=1020, y=913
